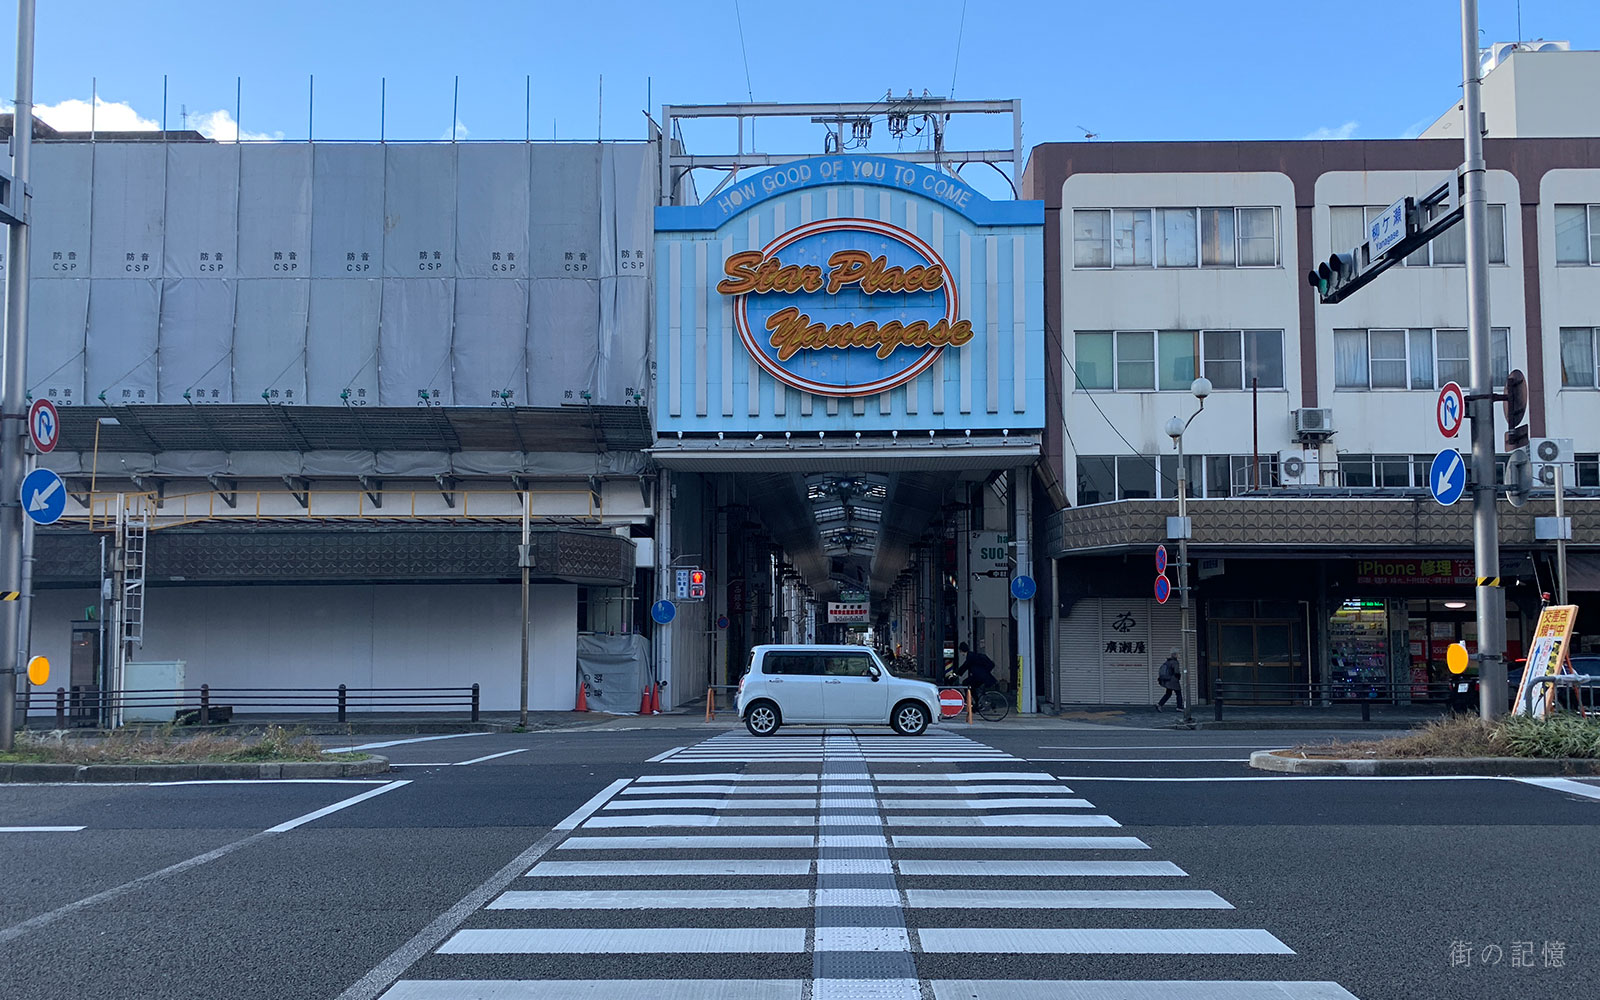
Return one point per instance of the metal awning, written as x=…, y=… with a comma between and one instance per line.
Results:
x=949, y=453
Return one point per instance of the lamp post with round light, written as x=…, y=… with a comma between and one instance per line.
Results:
x=1175, y=428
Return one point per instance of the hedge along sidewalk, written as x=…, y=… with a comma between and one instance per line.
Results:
x=211, y=771
x=1290, y=762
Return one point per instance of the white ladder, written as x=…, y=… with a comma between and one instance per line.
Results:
x=133, y=527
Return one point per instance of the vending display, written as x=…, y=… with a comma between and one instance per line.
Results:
x=1358, y=644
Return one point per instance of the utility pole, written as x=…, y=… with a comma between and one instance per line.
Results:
x=525, y=560
x=1491, y=603
x=13, y=406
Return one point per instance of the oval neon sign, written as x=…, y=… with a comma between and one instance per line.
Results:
x=844, y=307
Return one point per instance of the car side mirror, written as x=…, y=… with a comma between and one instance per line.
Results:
x=874, y=673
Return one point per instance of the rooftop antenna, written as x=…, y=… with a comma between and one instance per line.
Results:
x=1088, y=133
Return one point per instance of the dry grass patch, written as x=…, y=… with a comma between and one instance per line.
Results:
x=1563, y=735
x=161, y=745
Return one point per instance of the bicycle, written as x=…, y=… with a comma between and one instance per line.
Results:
x=991, y=703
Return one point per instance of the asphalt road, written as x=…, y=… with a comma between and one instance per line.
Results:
x=1385, y=887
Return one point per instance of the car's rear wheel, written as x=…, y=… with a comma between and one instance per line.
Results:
x=909, y=719
x=762, y=719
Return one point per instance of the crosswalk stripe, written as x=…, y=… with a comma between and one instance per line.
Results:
x=866, y=989
x=594, y=989
x=1066, y=899
x=653, y=899
x=752, y=804
x=862, y=939
x=1100, y=941
x=652, y=820
x=1035, y=777
x=987, y=842
x=899, y=805
x=625, y=940
x=727, y=790
x=732, y=866
x=889, y=792
x=683, y=779
x=981, y=867
x=1132, y=989
x=1002, y=819
x=599, y=843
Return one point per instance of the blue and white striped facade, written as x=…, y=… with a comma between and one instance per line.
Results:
x=708, y=382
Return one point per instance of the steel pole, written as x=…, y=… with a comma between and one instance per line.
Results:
x=13, y=415
x=1183, y=586
x=523, y=558
x=1485, y=519
x=1561, y=536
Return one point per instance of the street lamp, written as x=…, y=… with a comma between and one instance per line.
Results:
x=1175, y=428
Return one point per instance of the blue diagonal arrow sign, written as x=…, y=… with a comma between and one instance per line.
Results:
x=1447, y=477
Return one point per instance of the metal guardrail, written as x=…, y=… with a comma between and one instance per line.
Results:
x=1311, y=694
x=1571, y=680
x=206, y=701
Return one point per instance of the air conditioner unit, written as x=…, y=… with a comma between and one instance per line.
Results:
x=1312, y=423
x=1299, y=467
x=1546, y=454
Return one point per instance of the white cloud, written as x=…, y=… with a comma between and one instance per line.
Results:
x=1345, y=131
x=1416, y=128
x=74, y=115
x=219, y=125
x=459, y=132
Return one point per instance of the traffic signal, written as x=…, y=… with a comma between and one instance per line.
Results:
x=1332, y=275
x=697, y=585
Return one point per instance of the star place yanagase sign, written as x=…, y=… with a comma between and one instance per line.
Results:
x=844, y=307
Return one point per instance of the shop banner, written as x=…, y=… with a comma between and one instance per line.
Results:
x=847, y=612
x=1546, y=656
x=1415, y=572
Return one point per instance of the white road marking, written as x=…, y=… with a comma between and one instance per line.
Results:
x=1565, y=785
x=654, y=899
x=873, y=989
x=1028, y=776
x=789, y=805
x=901, y=805
x=998, y=843
x=735, y=790
x=981, y=867
x=682, y=779
x=1006, y=819
x=684, y=843
x=395, y=743
x=662, y=756
x=480, y=760
x=668, y=820
x=1041, y=790
x=437, y=763
x=1100, y=941
x=1200, y=779
x=316, y=814
x=40, y=829
x=1067, y=899
x=859, y=897
x=595, y=989
x=861, y=939
x=589, y=808
x=626, y=940
x=1123, y=989
x=733, y=866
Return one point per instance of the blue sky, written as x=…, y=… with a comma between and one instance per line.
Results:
x=1136, y=69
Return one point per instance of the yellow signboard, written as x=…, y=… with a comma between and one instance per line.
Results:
x=1547, y=655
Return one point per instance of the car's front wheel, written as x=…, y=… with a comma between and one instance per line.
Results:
x=909, y=719
x=762, y=719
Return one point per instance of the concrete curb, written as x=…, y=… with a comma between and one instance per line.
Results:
x=39, y=773
x=1322, y=724
x=1274, y=760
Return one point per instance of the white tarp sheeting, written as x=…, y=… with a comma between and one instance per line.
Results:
x=275, y=210
x=197, y=341
x=414, y=344
x=120, y=349
x=60, y=176
x=616, y=669
x=540, y=286
x=58, y=312
x=492, y=207
x=202, y=231
x=269, y=341
x=130, y=191
x=346, y=211
x=419, y=211
x=491, y=339
x=342, y=343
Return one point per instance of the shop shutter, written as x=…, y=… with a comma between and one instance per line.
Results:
x=1080, y=654
x=1127, y=678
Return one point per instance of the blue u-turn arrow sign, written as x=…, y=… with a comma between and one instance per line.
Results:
x=1447, y=477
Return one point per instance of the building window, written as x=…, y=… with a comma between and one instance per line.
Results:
x=1348, y=228
x=1104, y=478
x=1577, y=357
x=1169, y=360
x=1411, y=359
x=1175, y=237
x=1578, y=234
x=1384, y=471
x=1587, y=466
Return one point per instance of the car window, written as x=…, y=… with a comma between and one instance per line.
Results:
x=791, y=664
x=849, y=665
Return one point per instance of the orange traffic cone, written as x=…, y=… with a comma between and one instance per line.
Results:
x=644, y=701
x=583, y=698
x=655, y=699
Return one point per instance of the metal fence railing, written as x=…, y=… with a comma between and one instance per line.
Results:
x=1362, y=694
x=206, y=704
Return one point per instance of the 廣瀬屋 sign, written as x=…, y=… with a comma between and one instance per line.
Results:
x=844, y=307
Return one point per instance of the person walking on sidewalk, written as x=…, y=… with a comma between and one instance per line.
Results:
x=1170, y=678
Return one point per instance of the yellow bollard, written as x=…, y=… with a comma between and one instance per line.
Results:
x=969, y=706
x=711, y=703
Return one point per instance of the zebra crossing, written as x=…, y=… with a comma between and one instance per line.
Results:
x=815, y=746
x=846, y=882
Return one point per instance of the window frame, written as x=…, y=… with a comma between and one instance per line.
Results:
x=1594, y=363
x=1406, y=337
x=1242, y=336
x=1155, y=225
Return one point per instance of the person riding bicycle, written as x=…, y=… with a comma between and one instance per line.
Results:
x=978, y=668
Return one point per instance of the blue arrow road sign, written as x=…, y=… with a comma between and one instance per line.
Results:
x=662, y=612
x=1023, y=588
x=1447, y=477
x=44, y=497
